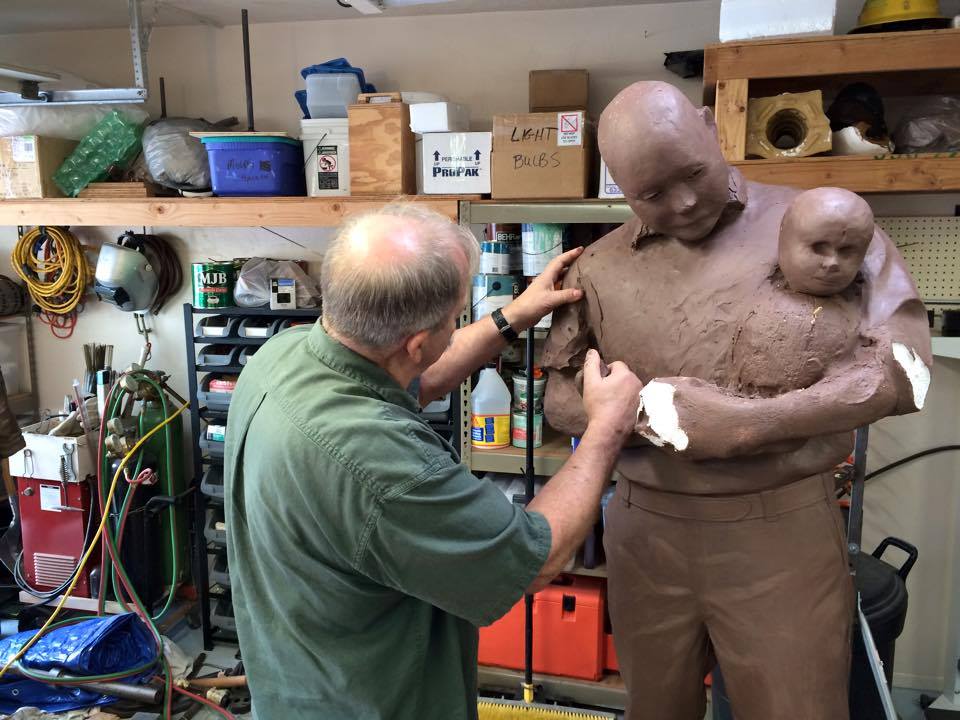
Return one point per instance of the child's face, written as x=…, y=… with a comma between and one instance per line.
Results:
x=821, y=260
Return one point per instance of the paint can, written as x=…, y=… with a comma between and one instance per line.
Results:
x=511, y=234
x=541, y=243
x=520, y=389
x=491, y=292
x=213, y=284
x=518, y=432
x=495, y=258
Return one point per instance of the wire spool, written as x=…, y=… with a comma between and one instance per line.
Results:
x=52, y=263
x=11, y=297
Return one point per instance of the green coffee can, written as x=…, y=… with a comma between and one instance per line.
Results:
x=213, y=284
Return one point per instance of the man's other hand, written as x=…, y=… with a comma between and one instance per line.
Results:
x=542, y=297
x=611, y=396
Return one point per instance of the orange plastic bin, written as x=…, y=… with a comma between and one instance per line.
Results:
x=568, y=636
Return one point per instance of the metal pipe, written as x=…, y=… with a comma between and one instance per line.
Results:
x=248, y=83
x=145, y=694
x=163, y=98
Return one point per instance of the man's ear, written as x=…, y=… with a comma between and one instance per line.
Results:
x=414, y=345
x=706, y=114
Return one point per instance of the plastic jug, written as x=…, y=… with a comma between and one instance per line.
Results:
x=490, y=411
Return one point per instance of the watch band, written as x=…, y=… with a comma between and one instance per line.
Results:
x=508, y=333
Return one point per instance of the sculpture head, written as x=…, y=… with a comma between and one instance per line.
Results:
x=824, y=237
x=664, y=155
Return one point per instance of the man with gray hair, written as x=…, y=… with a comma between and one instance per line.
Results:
x=362, y=553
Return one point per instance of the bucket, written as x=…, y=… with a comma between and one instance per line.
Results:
x=255, y=165
x=510, y=234
x=213, y=284
x=491, y=292
x=541, y=243
x=326, y=156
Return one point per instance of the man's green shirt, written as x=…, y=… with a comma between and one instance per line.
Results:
x=362, y=554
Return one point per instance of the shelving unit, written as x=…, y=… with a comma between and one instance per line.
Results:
x=203, y=459
x=207, y=212
x=926, y=61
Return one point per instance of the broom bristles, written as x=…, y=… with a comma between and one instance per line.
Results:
x=490, y=709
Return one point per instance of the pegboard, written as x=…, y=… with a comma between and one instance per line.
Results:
x=931, y=248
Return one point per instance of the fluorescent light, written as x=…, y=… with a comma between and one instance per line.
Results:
x=367, y=7
x=21, y=73
x=376, y=7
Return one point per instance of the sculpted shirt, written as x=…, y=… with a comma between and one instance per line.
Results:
x=362, y=554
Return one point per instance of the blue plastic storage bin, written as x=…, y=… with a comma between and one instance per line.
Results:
x=261, y=165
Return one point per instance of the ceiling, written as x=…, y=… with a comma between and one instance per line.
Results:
x=24, y=16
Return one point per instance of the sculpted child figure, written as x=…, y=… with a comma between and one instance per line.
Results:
x=766, y=324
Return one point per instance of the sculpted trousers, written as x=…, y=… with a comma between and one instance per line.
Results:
x=758, y=582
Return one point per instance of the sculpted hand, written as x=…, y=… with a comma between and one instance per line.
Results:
x=611, y=396
x=540, y=298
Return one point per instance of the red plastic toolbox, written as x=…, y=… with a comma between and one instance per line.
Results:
x=568, y=636
x=609, y=654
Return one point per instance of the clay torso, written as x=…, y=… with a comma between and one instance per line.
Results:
x=788, y=340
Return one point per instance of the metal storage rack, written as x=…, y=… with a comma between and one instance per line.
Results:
x=206, y=540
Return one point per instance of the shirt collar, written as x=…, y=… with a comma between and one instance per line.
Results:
x=736, y=201
x=340, y=358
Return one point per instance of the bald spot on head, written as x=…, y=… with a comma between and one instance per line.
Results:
x=379, y=242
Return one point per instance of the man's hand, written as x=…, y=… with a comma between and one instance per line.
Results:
x=541, y=297
x=611, y=396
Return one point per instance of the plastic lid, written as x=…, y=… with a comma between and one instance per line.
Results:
x=248, y=139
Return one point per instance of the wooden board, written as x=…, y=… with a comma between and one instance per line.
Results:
x=118, y=190
x=926, y=50
x=382, y=150
x=731, y=117
x=208, y=212
x=891, y=173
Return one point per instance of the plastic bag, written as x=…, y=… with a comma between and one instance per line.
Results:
x=931, y=126
x=253, y=285
x=93, y=647
x=62, y=121
x=174, y=158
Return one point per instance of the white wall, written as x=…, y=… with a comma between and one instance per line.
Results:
x=483, y=60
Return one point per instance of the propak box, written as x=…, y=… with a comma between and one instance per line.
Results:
x=542, y=155
x=454, y=163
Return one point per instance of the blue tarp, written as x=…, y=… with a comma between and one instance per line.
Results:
x=100, y=646
x=340, y=65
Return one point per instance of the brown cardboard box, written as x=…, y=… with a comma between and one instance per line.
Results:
x=382, y=149
x=541, y=156
x=558, y=90
x=27, y=165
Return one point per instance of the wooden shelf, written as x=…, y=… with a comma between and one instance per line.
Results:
x=863, y=174
x=935, y=53
x=207, y=212
x=548, y=459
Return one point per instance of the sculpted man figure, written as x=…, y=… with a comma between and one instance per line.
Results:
x=724, y=541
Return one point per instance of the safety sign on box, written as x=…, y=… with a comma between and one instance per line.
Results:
x=608, y=186
x=455, y=163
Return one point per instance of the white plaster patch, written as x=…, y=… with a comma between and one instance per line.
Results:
x=657, y=400
x=916, y=371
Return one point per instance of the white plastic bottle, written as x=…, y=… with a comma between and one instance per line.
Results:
x=490, y=410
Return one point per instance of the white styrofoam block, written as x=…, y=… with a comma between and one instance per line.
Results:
x=455, y=163
x=746, y=19
x=439, y=117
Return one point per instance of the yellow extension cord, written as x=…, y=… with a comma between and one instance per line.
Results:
x=93, y=543
x=64, y=275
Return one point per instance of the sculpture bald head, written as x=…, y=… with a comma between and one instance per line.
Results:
x=824, y=237
x=664, y=155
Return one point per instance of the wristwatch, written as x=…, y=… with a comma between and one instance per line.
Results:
x=508, y=333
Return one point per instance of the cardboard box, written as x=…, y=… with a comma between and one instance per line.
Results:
x=439, y=117
x=27, y=165
x=382, y=151
x=454, y=163
x=608, y=186
x=552, y=90
x=542, y=156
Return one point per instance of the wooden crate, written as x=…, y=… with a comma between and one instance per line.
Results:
x=896, y=64
x=382, y=149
